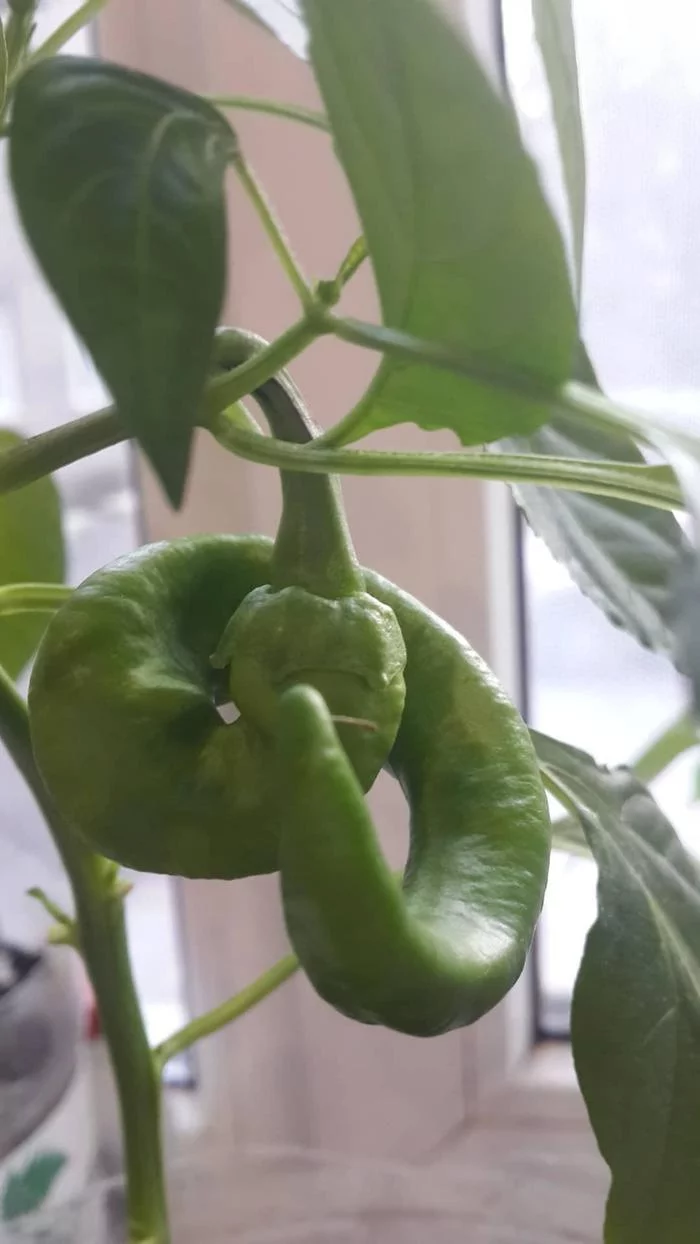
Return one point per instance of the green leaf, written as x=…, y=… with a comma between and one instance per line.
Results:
x=280, y=18
x=624, y=557
x=636, y=1007
x=25, y=1191
x=3, y=70
x=554, y=29
x=686, y=620
x=272, y=108
x=31, y=551
x=465, y=250
x=682, y=451
x=119, y=182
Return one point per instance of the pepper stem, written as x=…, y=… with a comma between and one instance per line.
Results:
x=313, y=549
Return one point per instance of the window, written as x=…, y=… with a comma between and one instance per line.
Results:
x=588, y=683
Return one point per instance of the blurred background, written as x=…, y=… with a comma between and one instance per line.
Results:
x=294, y=1072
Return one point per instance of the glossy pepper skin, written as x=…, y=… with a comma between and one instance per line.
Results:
x=440, y=949
x=336, y=673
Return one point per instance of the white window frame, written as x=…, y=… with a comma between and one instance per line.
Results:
x=293, y=1071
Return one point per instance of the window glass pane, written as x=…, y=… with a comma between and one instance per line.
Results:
x=589, y=683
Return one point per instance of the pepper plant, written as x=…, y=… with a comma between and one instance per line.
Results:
x=336, y=673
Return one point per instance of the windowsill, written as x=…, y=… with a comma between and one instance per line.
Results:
x=550, y=1066
x=541, y=1092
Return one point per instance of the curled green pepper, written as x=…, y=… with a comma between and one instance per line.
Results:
x=336, y=673
x=440, y=949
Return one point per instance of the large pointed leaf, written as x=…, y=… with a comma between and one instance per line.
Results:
x=636, y=1008
x=281, y=18
x=626, y=558
x=119, y=182
x=681, y=448
x=31, y=551
x=465, y=250
x=554, y=28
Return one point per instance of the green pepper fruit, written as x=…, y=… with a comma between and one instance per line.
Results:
x=124, y=714
x=124, y=703
x=442, y=948
x=124, y=693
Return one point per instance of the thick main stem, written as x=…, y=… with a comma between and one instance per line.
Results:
x=102, y=933
x=100, y=919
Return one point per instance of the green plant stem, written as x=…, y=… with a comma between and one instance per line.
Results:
x=571, y=398
x=102, y=935
x=273, y=108
x=32, y=598
x=596, y=408
x=43, y=454
x=52, y=909
x=653, y=486
x=273, y=229
x=100, y=919
x=73, y=24
x=395, y=343
x=232, y=1009
x=47, y=452
x=680, y=736
x=645, y=485
x=18, y=32
x=227, y=389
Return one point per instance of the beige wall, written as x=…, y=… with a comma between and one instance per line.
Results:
x=295, y=1070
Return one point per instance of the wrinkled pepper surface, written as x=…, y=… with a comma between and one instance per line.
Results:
x=335, y=674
